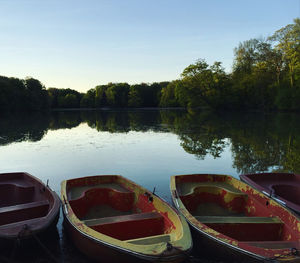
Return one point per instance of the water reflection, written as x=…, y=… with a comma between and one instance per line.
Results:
x=258, y=142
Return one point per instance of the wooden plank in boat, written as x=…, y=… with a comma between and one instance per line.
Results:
x=273, y=244
x=25, y=206
x=76, y=192
x=237, y=220
x=118, y=219
x=188, y=188
x=150, y=240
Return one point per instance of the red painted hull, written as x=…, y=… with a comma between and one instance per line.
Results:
x=281, y=187
x=104, y=253
x=232, y=220
x=27, y=206
x=111, y=219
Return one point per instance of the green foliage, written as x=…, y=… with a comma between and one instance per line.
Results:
x=100, y=96
x=135, y=96
x=37, y=97
x=287, y=41
x=201, y=86
x=64, y=98
x=117, y=94
x=17, y=95
x=168, y=96
x=88, y=99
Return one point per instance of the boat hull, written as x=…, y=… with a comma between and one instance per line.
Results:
x=40, y=235
x=235, y=223
x=100, y=252
x=212, y=250
x=28, y=207
x=122, y=222
x=284, y=188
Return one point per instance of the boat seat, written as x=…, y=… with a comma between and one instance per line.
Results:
x=272, y=244
x=190, y=188
x=12, y=193
x=150, y=240
x=21, y=212
x=237, y=220
x=127, y=227
x=93, y=197
x=123, y=218
x=245, y=228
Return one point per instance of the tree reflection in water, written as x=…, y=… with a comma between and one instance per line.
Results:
x=258, y=142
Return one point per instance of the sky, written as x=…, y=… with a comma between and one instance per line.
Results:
x=80, y=44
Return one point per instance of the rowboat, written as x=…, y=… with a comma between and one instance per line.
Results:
x=231, y=219
x=28, y=207
x=281, y=187
x=111, y=219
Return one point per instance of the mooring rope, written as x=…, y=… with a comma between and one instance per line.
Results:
x=189, y=257
x=16, y=245
x=294, y=252
x=48, y=252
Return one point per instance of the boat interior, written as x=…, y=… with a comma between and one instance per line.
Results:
x=112, y=207
x=283, y=185
x=21, y=199
x=222, y=206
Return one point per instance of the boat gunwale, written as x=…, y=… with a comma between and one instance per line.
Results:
x=128, y=251
x=42, y=222
x=267, y=191
x=222, y=238
x=135, y=249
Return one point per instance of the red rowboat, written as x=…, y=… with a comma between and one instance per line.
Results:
x=27, y=206
x=282, y=187
x=111, y=219
x=232, y=219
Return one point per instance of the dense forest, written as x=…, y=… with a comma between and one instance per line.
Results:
x=265, y=76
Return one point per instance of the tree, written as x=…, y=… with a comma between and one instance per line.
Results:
x=37, y=97
x=202, y=85
x=88, y=99
x=134, y=97
x=117, y=94
x=100, y=96
x=256, y=73
x=287, y=41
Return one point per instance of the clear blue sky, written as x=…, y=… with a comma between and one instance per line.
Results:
x=79, y=44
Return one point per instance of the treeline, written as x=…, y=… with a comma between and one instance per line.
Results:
x=124, y=95
x=17, y=94
x=265, y=76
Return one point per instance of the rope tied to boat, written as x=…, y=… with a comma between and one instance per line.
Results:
x=25, y=231
x=294, y=252
x=189, y=257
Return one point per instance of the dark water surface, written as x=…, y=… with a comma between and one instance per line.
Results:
x=147, y=146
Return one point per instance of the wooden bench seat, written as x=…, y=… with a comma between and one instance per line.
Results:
x=273, y=244
x=21, y=212
x=245, y=228
x=127, y=227
x=190, y=187
x=150, y=240
x=123, y=218
x=237, y=220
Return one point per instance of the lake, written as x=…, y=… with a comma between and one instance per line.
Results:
x=146, y=146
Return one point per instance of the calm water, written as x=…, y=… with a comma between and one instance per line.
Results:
x=147, y=146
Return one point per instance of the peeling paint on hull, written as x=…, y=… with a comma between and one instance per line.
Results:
x=111, y=219
x=239, y=224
